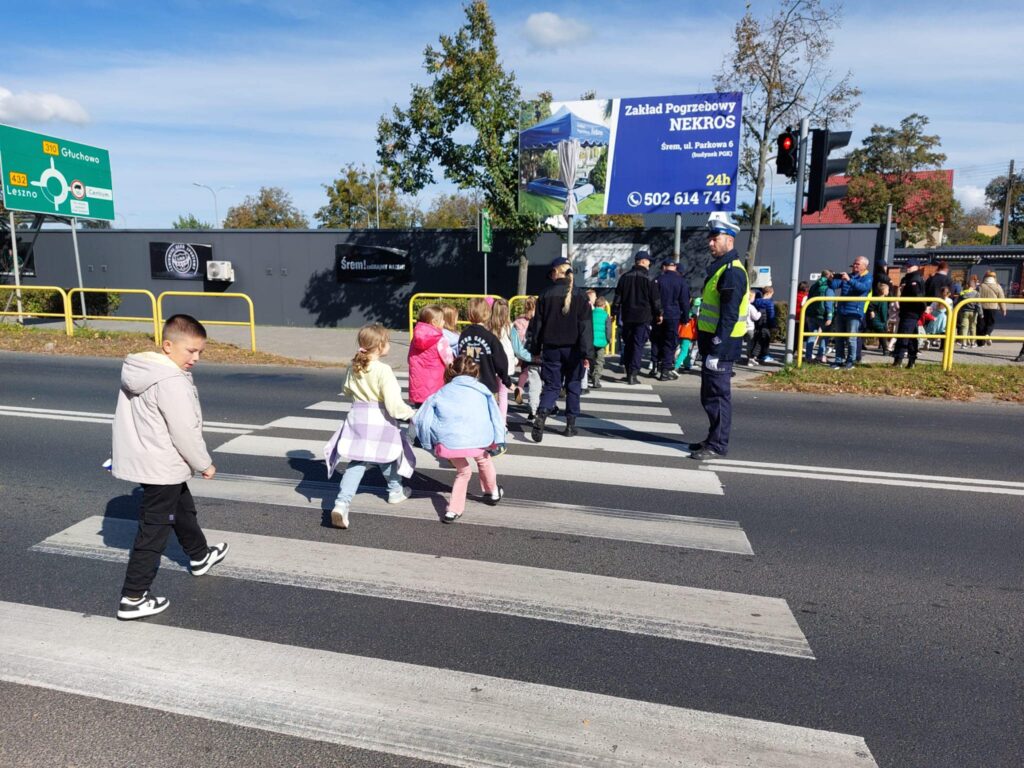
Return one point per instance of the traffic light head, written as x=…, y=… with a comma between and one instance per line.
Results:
x=787, y=156
x=822, y=143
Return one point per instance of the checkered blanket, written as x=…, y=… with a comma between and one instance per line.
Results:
x=369, y=434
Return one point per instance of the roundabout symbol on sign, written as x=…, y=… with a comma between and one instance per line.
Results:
x=44, y=182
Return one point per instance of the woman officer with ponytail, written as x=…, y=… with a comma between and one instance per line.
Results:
x=561, y=335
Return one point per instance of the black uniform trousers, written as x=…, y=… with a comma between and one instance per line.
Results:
x=634, y=338
x=164, y=507
x=664, y=343
x=906, y=347
x=562, y=366
x=716, y=398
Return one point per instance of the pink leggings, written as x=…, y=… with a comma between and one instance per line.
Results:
x=488, y=480
x=502, y=397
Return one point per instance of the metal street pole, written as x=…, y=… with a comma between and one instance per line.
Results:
x=17, y=269
x=216, y=211
x=798, y=210
x=1004, y=236
x=678, y=240
x=376, y=194
x=78, y=264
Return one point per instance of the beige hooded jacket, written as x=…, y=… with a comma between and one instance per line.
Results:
x=158, y=424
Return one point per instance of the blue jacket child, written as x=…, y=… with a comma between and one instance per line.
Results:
x=462, y=414
x=766, y=306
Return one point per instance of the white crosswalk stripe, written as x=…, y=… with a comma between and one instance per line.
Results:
x=403, y=709
x=667, y=530
x=587, y=405
x=660, y=610
x=677, y=480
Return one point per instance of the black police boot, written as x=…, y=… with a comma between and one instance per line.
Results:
x=537, y=433
x=570, y=426
x=912, y=362
x=666, y=375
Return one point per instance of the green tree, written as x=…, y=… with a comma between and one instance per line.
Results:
x=887, y=169
x=455, y=211
x=94, y=224
x=189, y=221
x=995, y=196
x=617, y=220
x=780, y=63
x=963, y=226
x=465, y=121
x=745, y=215
x=271, y=208
x=359, y=195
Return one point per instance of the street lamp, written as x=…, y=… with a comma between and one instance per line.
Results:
x=216, y=212
x=376, y=194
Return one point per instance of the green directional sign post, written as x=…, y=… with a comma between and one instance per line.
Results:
x=484, y=238
x=55, y=177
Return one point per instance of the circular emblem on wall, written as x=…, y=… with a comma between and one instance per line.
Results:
x=181, y=259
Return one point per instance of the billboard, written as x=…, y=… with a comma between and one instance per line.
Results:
x=46, y=175
x=659, y=154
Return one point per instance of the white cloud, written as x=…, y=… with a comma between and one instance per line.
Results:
x=30, y=107
x=549, y=31
x=970, y=196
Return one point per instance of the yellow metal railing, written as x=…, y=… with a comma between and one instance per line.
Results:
x=441, y=297
x=140, y=291
x=66, y=314
x=947, y=356
x=252, y=313
x=870, y=334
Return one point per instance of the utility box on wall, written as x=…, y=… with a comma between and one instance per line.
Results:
x=220, y=271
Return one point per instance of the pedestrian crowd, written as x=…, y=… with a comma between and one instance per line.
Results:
x=461, y=379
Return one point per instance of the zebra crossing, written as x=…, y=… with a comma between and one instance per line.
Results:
x=432, y=712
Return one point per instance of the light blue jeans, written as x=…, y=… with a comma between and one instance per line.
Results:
x=354, y=476
x=846, y=348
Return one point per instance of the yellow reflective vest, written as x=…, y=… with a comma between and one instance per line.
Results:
x=711, y=302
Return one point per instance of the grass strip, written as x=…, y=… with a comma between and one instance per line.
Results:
x=964, y=382
x=89, y=342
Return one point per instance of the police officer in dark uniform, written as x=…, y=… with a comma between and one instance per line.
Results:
x=636, y=305
x=721, y=326
x=912, y=285
x=561, y=333
x=675, y=302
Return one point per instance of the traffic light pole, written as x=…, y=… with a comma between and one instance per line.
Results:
x=798, y=210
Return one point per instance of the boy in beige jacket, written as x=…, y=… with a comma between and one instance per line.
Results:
x=158, y=442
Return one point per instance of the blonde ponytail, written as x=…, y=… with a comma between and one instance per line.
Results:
x=372, y=339
x=567, y=301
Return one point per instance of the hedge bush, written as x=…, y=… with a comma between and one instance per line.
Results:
x=50, y=301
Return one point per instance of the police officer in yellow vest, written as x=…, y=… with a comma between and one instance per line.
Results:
x=721, y=325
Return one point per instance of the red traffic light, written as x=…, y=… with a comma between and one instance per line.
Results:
x=787, y=143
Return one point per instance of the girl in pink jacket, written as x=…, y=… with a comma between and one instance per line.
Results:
x=429, y=355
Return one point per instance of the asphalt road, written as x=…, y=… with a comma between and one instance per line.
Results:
x=906, y=583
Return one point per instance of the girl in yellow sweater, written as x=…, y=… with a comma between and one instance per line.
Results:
x=370, y=436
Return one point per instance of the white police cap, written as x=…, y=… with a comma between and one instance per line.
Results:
x=720, y=221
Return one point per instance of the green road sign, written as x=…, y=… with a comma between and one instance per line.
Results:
x=485, y=238
x=43, y=174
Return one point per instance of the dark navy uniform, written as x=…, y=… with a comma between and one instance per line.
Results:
x=637, y=304
x=721, y=326
x=674, y=291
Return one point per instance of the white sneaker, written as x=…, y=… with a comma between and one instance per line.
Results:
x=339, y=515
x=397, y=497
x=139, y=607
x=214, y=555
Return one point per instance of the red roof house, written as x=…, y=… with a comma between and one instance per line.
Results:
x=833, y=212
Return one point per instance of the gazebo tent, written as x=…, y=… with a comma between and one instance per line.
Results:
x=561, y=126
x=556, y=131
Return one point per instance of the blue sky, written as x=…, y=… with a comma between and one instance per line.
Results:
x=283, y=93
